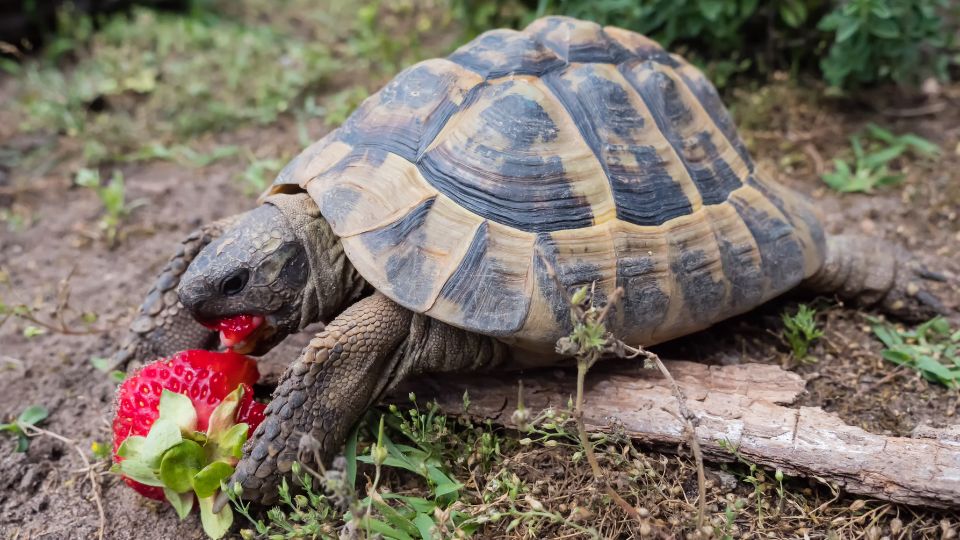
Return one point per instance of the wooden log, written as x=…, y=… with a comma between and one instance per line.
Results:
x=746, y=405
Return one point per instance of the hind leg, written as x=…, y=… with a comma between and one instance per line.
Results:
x=876, y=273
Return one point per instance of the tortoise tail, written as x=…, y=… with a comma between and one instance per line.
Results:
x=876, y=273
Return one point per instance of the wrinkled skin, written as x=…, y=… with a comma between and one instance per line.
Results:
x=282, y=261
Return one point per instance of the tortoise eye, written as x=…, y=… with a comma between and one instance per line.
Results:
x=235, y=283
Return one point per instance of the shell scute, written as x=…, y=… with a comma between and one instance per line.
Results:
x=410, y=259
x=740, y=258
x=367, y=189
x=499, y=53
x=406, y=114
x=710, y=100
x=643, y=271
x=648, y=180
x=782, y=254
x=490, y=288
x=640, y=46
x=513, y=156
x=711, y=160
x=577, y=41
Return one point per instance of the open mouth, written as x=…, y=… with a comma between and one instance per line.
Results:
x=241, y=332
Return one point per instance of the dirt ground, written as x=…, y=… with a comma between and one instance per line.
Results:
x=42, y=494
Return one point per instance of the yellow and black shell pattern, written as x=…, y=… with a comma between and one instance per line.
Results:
x=472, y=188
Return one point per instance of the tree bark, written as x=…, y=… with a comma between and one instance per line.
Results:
x=746, y=405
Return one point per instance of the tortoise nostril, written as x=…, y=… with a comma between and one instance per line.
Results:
x=235, y=283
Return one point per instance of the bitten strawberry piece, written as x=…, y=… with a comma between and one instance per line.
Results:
x=205, y=377
x=235, y=329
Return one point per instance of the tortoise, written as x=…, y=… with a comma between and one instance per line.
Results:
x=442, y=227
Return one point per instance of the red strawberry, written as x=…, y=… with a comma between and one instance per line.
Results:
x=235, y=329
x=203, y=376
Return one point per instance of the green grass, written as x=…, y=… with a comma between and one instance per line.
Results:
x=931, y=348
x=152, y=78
x=30, y=416
x=874, y=151
x=112, y=197
x=800, y=331
x=420, y=443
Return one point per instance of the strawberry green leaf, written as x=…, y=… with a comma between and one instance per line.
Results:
x=217, y=524
x=179, y=409
x=224, y=416
x=207, y=481
x=179, y=464
x=135, y=469
x=229, y=445
x=131, y=447
x=164, y=435
x=181, y=502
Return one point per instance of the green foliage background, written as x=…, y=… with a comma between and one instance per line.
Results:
x=850, y=43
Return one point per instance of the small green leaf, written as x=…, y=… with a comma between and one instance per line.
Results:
x=393, y=517
x=87, y=178
x=207, y=481
x=217, y=524
x=424, y=525
x=932, y=367
x=885, y=28
x=846, y=28
x=229, y=445
x=137, y=470
x=387, y=531
x=182, y=503
x=793, y=13
x=178, y=409
x=179, y=465
x=100, y=450
x=350, y=453
x=33, y=415
x=33, y=331
x=164, y=435
x=444, y=489
x=224, y=416
x=419, y=504
x=100, y=363
x=882, y=157
x=579, y=296
x=131, y=447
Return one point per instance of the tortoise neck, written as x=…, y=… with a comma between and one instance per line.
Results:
x=334, y=283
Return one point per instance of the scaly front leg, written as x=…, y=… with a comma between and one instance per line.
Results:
x=162, y=326
x=325, y=392
x=360, y=356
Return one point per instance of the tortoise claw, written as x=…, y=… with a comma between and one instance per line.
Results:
x=932, y=302
x=222, y=500
x=930, y=275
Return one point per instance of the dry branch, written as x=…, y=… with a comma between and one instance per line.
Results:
x=742, y=404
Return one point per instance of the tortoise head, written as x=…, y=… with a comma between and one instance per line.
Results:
x=259, y=267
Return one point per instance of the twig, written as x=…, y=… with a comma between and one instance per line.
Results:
x=33, y=431
x=689, y=427
x=59, y=325
x=582, y=368
x=811, y=151
x=913, y=112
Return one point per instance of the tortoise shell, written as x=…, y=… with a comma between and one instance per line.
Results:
x=472, y=188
